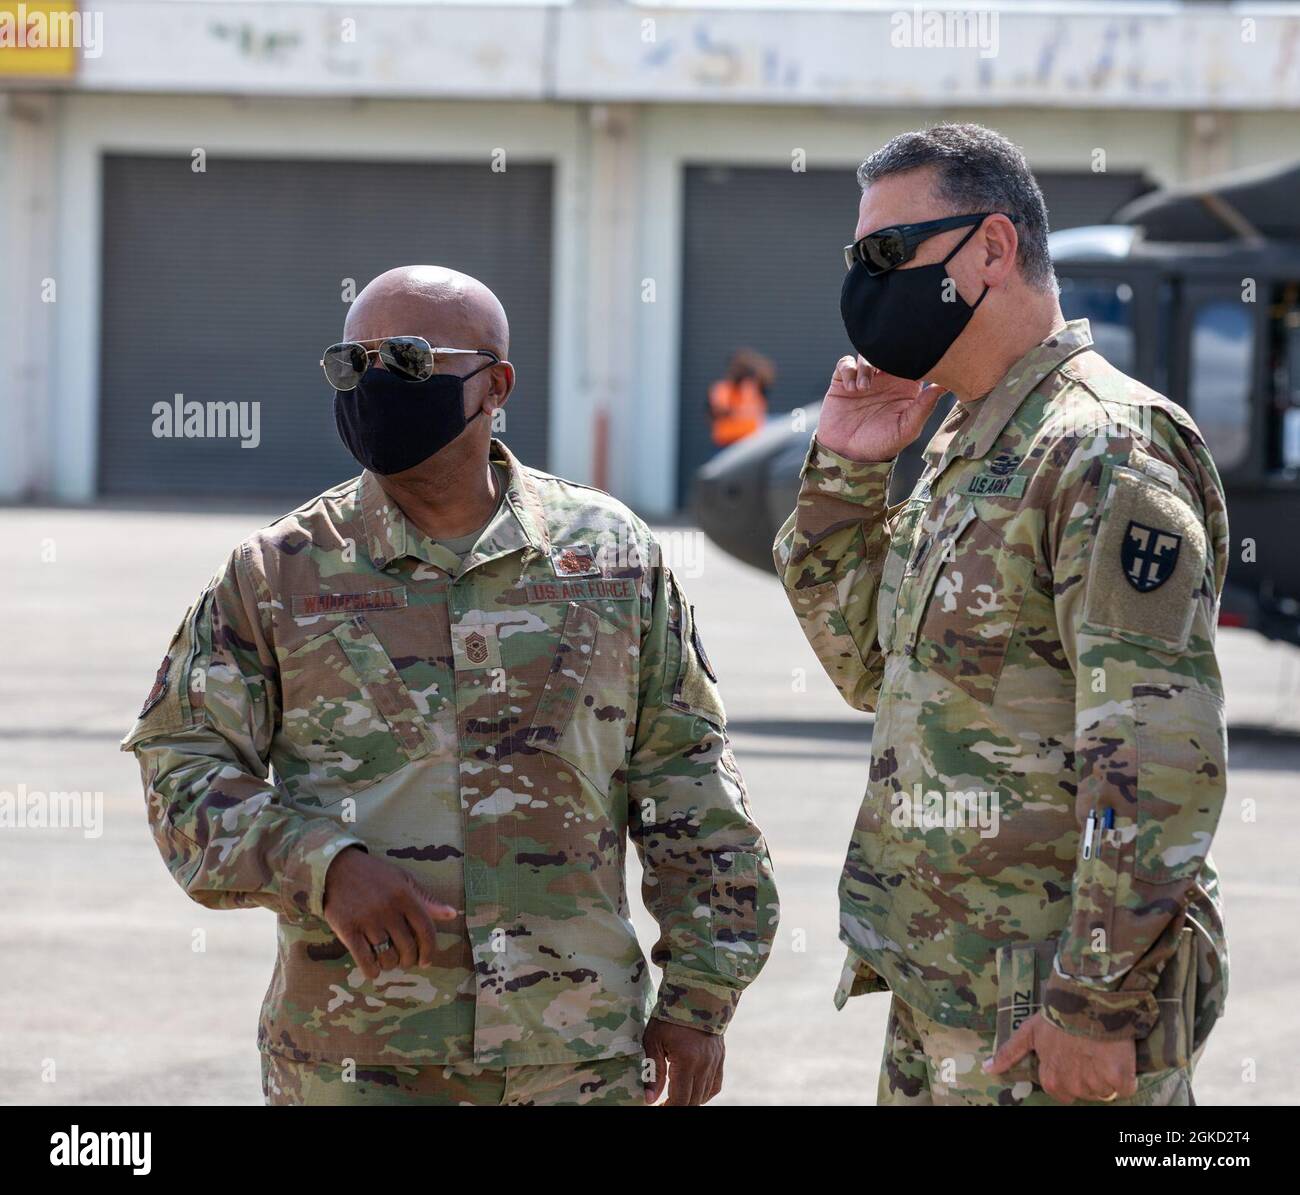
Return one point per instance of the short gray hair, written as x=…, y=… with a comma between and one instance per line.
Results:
x=977, y=170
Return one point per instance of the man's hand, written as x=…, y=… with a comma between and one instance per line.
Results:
x=1070, y=1067
x=370, y=902
x=868, y=415
x=688, y=1060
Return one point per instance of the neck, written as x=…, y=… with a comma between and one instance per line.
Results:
x=1000, y=347
x=458, y=499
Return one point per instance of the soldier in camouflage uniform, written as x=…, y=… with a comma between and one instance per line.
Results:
x=419, y=717
x=1034, y=629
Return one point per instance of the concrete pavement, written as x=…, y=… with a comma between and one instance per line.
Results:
x=109, y=1001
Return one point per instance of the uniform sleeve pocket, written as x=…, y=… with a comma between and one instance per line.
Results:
x=826, y=628
x=1182, y=757
x=733, y=908
x=1102, y=881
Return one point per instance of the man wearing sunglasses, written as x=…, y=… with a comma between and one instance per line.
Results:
x=470, y=683
x=1034, y=629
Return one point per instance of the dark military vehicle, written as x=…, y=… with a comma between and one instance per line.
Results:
x=1193, y=290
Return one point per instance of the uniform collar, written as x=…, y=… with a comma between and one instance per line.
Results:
x=519, y=522
x=971, y=429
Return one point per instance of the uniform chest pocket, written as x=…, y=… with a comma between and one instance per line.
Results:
x=346, y=715
x=586, y=711
x=967, y=602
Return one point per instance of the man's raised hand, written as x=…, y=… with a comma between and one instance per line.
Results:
x=869, y=415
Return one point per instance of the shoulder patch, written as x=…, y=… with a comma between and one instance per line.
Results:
x=167, y=707
x=1148, y=562
x=693, y=683
x=1149, y=555
x=159, y=689
x=698, y=645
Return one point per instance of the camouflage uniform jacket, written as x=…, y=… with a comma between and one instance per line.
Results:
x=1034, y=627
x=498, y=726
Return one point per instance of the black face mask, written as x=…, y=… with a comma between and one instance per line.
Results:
x=390, y=424
x=899, y=321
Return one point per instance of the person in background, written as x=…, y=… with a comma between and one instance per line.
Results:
x=738, y=402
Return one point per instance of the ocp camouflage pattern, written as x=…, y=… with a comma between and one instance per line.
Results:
x=1034, y=628
x=499, y=727
x=927, y=1064
x=598, y=1082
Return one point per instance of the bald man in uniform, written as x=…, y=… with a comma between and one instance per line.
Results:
x=419, y=717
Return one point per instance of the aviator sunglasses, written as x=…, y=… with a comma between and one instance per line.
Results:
x=887, y=248
x=411, y=358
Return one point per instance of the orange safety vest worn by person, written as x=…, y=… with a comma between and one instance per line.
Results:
x=737, y=403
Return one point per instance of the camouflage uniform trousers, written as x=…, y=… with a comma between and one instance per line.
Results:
x=608, y=1082
x=930, y=1064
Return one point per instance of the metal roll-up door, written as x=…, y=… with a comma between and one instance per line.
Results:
x=1075, y=198
x=762, y=269
x=226, y=285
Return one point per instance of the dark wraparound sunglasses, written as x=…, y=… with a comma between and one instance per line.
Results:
x=887, y=248
x=411, y=358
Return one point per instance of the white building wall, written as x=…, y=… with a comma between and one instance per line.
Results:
x=28, y=289
x=1052, y=53
x=1179, y=92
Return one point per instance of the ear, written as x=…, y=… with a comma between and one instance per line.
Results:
x=501, y=382
x=1000, y=245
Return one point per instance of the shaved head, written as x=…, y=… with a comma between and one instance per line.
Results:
x=453, y=490
x=447, y=308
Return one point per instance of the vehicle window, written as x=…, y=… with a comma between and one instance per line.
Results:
x=1284, y=368
x=1222, y=341
x=1165, y=307
x=1107, y=305
x=1290, y=413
